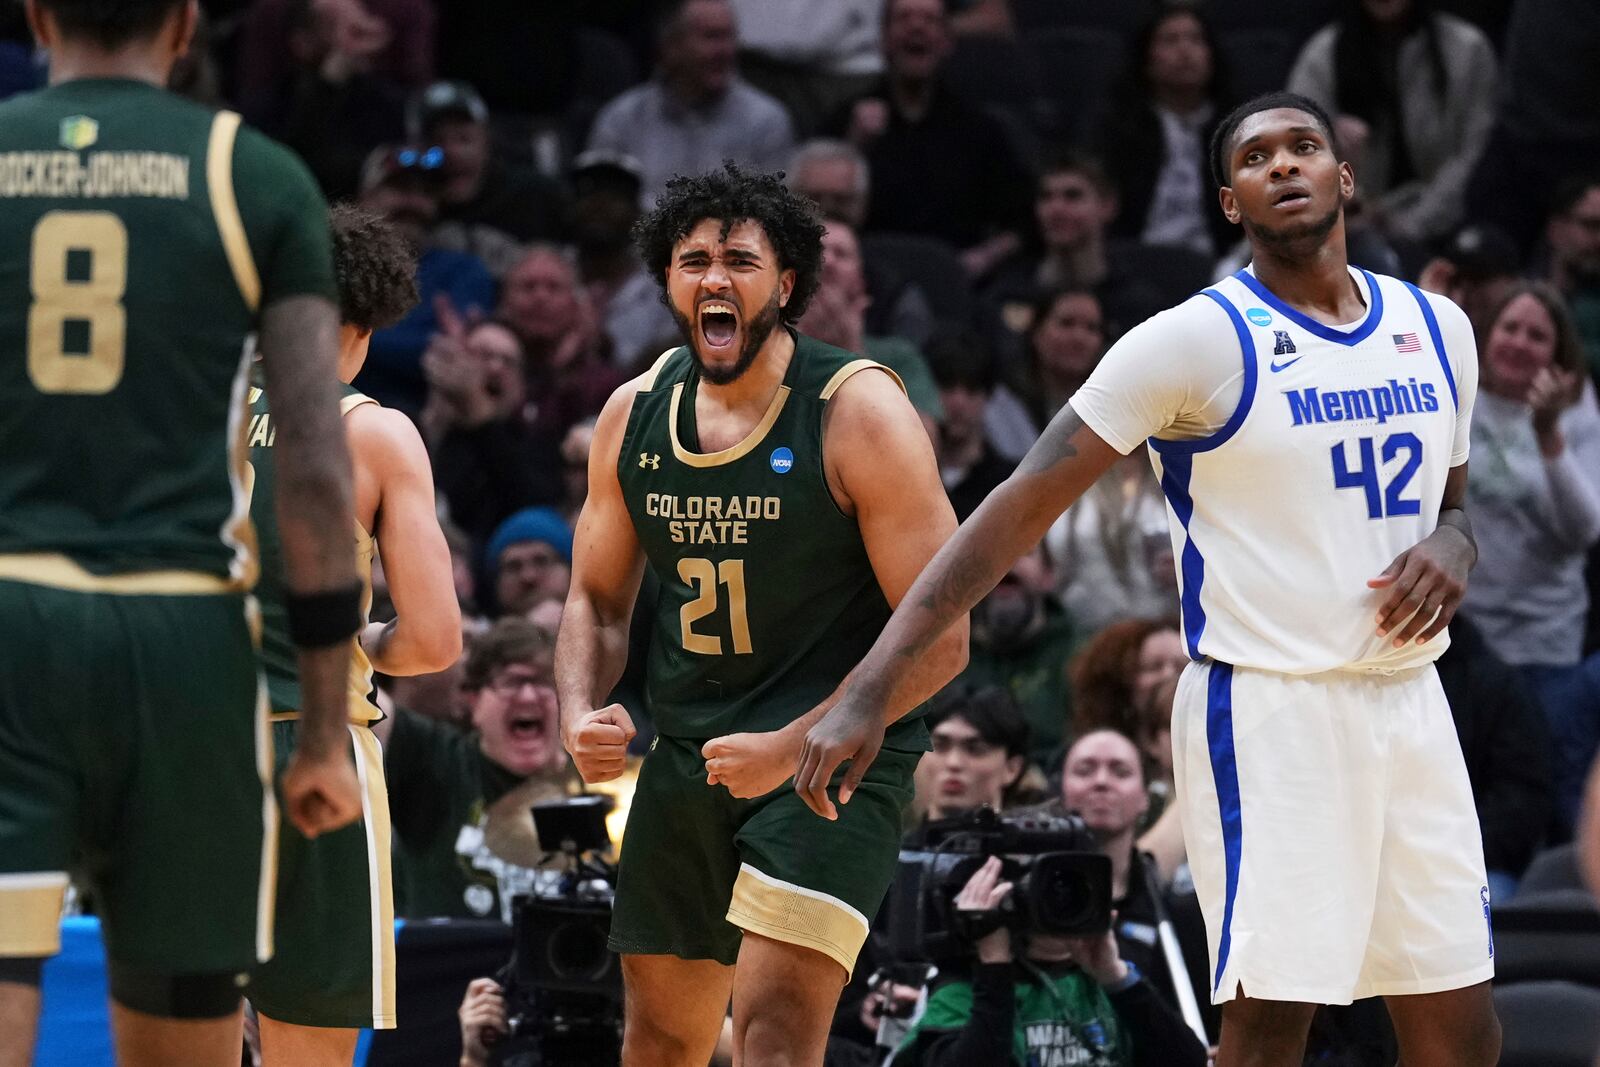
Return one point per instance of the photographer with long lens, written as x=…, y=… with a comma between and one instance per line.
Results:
x=1066, y=1000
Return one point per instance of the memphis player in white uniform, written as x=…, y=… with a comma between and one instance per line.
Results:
x=1308, y=422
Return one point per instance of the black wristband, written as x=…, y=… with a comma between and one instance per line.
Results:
x=317, y=620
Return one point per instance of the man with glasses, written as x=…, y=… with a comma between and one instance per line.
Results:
x=459, y=801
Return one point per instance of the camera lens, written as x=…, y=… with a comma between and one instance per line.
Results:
x=577, y=952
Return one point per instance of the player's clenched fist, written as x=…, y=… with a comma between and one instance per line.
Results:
x=321, y=793
x=598, y=741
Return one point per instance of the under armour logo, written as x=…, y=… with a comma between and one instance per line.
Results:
x=646, y=459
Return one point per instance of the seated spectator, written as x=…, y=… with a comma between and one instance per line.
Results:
x=329, y=77
x=529, y=560
x=697, y=111
x=489, y=456
x=1475, y=268
x=1066, y=1000
x=968, y=464
x=569, y=377
x=979, y=753
x=1534, y=497
x=837, y=315
x=1065, y=338
x=1120, y=670
x=1507, y=748
x=1112, y=552
x=1413, y=92
x=1154, y=141
x=459, y=801
x=938, y=166
x=836, y=176
x=487, y=207
x=1021, y=640
x=1071, y=246
x=811, y=56
x=1572, y=238
x=622, y=293
x=402, y=185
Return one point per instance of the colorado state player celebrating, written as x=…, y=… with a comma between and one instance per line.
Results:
x=785, y=493
x=1315, y=491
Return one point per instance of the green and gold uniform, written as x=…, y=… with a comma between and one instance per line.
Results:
x=142, y=234
x=767, y=601
x=335, y=910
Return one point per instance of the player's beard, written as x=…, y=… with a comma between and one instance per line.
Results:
x=1295, y=238
x=756, y=332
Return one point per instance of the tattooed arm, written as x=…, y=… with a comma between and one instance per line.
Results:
x=1065, y=461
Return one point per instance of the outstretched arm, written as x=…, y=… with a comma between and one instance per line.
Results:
x=607, y=565
x=393, y=472
x=1064, y=462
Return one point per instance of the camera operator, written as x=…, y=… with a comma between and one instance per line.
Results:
x=1067, y=1000
x=1103, y=782
x=483, y=1021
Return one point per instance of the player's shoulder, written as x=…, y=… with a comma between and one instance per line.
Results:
x=259, y=161
x=381, y=438
x=1199, y=321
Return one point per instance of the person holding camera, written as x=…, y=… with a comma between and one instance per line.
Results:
x=1065, y=1000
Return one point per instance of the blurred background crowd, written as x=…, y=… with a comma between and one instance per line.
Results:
x=1008, y=186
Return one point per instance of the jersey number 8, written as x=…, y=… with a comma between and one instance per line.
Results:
x=77, y=326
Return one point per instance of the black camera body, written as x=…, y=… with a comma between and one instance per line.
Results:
x=563, y=986
x=1062, y=883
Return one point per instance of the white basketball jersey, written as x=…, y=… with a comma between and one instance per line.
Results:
x=1333, y=463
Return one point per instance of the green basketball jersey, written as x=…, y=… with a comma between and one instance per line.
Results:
x=141, y=233
x=278, y=653
x=767, y=597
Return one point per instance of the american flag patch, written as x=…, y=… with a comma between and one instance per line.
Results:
x=1407, y=342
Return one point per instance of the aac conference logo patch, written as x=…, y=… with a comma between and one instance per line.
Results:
x=782, y=461
x=1259, y=316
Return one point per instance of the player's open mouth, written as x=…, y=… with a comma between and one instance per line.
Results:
x=719, y=323
x=1295, y=197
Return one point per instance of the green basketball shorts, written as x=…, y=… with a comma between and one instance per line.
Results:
x=699, y=867
x=134, y=749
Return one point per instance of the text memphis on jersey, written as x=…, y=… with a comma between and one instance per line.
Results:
x=1381, y=402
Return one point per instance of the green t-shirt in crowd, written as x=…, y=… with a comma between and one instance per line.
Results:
x=462, y=833
x=1035, y=673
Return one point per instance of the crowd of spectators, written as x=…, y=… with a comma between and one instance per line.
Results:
x=1009, y=185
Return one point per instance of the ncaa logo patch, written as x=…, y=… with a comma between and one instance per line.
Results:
x=782, y=461
x=1259, y=316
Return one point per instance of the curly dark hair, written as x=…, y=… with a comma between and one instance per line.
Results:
x=790, y=221
x=1222, y=136
x=375, y=267
x=110, y=23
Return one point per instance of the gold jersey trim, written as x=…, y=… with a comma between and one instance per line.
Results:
x=225, y=207
x=727, y=455
x=30, y=912
x=797, y=915
x=654, y=373
x=62, y=572
x=851, y=369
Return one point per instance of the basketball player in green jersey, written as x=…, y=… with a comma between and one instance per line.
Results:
x=333, y=972
x=144, y=239
x=786, y=495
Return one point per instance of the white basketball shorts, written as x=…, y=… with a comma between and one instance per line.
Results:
x=1331, y=833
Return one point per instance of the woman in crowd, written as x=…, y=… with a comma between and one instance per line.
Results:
x=1534, y=498
x=1117, y=674
x=1154, y=141
x=1066, y=338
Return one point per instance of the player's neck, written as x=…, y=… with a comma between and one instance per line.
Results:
x=137, y=62
x=1316, y=282
x=754, y=389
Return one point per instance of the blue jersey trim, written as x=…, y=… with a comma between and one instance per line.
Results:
x=1438, y=340
x=1247, y=395
x=1225, y=773
x=1360, y=333
x=1176, y=471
